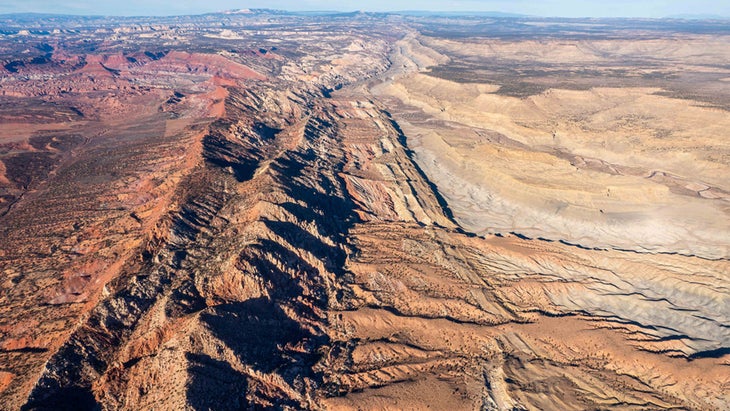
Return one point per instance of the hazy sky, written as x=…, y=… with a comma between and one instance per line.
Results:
x=565, y=8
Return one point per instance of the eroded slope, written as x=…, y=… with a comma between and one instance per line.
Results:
x=591, y=159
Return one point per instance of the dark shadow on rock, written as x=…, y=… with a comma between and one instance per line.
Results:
x=718, y=353
x=285, y=284
x=332, y=257
x=332, y=208
x=242, y=159
x=302, y=213
x=185, y=299
x=292, y=164
x=215, y=385
x=264, y=337
x=65, y=399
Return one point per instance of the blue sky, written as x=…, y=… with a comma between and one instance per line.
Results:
x=565, y=8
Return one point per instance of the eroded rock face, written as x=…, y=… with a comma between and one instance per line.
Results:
x=222, y=223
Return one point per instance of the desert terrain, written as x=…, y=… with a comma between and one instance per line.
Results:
x=271, y=210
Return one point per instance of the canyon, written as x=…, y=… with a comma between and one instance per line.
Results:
x=272, y=210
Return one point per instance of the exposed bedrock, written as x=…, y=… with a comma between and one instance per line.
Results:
x=293, y=243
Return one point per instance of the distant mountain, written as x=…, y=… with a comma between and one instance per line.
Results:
x=31, y=15
x=698, y=17
x=425, y=13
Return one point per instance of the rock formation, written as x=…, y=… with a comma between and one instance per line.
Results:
x=304, y=212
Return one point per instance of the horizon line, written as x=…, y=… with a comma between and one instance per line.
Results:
x=481, y=13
